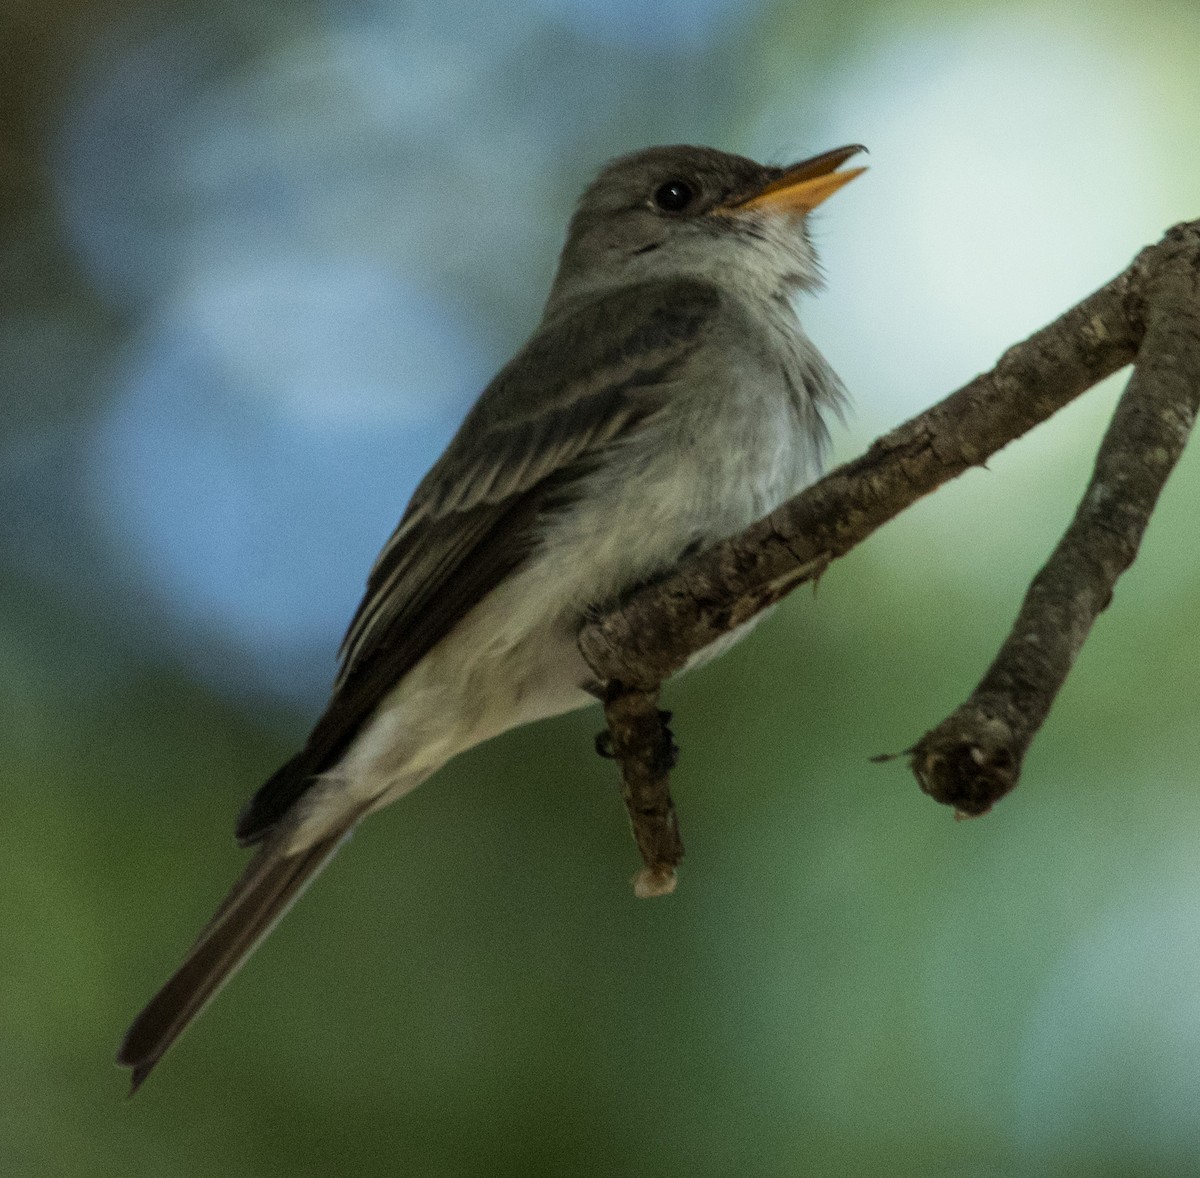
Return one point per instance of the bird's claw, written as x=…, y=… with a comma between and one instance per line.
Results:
x=668, y=756
x=670, y=750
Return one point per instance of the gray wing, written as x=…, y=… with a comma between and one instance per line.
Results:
x=587, y=378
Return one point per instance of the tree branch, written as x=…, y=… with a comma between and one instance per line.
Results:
x=974, y=756
x=1149, y=312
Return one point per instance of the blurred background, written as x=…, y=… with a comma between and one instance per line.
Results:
x=256, y=258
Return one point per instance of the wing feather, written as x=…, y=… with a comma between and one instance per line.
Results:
x=585, y=379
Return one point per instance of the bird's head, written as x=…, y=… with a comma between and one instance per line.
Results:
x=672, y=212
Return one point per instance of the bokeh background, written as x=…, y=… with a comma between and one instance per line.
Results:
x=256, y=258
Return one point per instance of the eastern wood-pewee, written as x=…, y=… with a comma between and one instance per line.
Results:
x=667, y=399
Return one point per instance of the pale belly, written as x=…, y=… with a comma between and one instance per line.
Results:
x=514, y=658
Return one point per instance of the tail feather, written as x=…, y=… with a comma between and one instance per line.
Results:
x=270, y=885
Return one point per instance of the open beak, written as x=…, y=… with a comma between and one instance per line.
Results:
x=805, y=185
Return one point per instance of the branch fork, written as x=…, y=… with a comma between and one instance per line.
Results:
x=1149, y=316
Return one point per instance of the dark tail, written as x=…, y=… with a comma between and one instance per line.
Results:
x=268, y=887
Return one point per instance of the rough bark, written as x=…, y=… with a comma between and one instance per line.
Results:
x=1148, y=315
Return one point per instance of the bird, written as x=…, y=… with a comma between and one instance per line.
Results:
x=666, y=400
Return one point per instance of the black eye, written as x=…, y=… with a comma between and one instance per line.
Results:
x=674, y=196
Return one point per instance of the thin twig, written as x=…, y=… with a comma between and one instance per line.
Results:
x=974, y=756
x=645, y=750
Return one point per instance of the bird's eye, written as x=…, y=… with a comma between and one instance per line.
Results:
x=674, y=196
